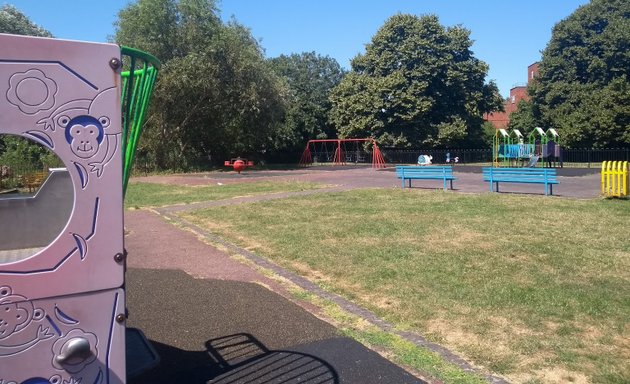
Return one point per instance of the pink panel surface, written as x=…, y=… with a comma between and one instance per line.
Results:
x=65, y=95
x=34, y=333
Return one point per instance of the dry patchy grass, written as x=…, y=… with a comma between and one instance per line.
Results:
x=534, y=288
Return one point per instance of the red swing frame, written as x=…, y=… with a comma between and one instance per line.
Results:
x=338, y=158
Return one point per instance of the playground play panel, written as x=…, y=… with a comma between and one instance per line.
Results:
x=62, y=258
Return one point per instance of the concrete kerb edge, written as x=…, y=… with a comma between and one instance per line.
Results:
x=318, y=291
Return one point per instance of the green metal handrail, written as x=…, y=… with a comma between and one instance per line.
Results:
x=137, y=88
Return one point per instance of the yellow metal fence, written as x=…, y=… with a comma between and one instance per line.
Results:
x=615, y=178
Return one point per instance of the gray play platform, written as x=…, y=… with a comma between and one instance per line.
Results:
x=34, y=221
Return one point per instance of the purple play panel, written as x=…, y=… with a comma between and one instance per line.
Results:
x=62, y=307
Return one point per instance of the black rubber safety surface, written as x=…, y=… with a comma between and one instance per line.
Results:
x=217, y=331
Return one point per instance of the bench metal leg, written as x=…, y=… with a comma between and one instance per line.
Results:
x=548, y=188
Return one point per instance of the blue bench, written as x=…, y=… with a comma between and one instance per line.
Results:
x=546, y=176
x=430, y=172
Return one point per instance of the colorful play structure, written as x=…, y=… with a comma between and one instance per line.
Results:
x=509, y=149
x=615, y=179
x=62, y=253
x=341, y=152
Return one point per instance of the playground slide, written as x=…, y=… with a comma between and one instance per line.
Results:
x=533, y=161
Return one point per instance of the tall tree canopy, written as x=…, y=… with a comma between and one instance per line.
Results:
x=310, y=78
x=417, y=84
x=216, y=96
x=523, y=118
x=583, y=88
x=15, y=22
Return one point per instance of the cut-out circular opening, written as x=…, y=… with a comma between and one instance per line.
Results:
x=36, y=197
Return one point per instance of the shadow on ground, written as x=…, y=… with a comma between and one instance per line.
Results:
x=239, y=358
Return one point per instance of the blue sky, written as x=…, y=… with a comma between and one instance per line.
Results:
x=508, y=34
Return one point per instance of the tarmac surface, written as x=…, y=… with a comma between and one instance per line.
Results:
x=215, y=319
x=581, y=183
x=220, y=331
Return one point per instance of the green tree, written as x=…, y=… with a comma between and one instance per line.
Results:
x=310, y=79
x=15, y=22
x=489, y=131
x=418, y=84
x=167, y=28
x=583, y=88
x=216, y=96
x=21, y=153
x=523, y=118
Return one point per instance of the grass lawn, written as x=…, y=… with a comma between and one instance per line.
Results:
x=532, y=288
x=157, y=195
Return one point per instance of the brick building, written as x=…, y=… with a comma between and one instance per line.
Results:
x=517, y=93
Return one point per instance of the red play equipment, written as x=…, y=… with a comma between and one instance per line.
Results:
x=337, y=152
x=238, y=164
